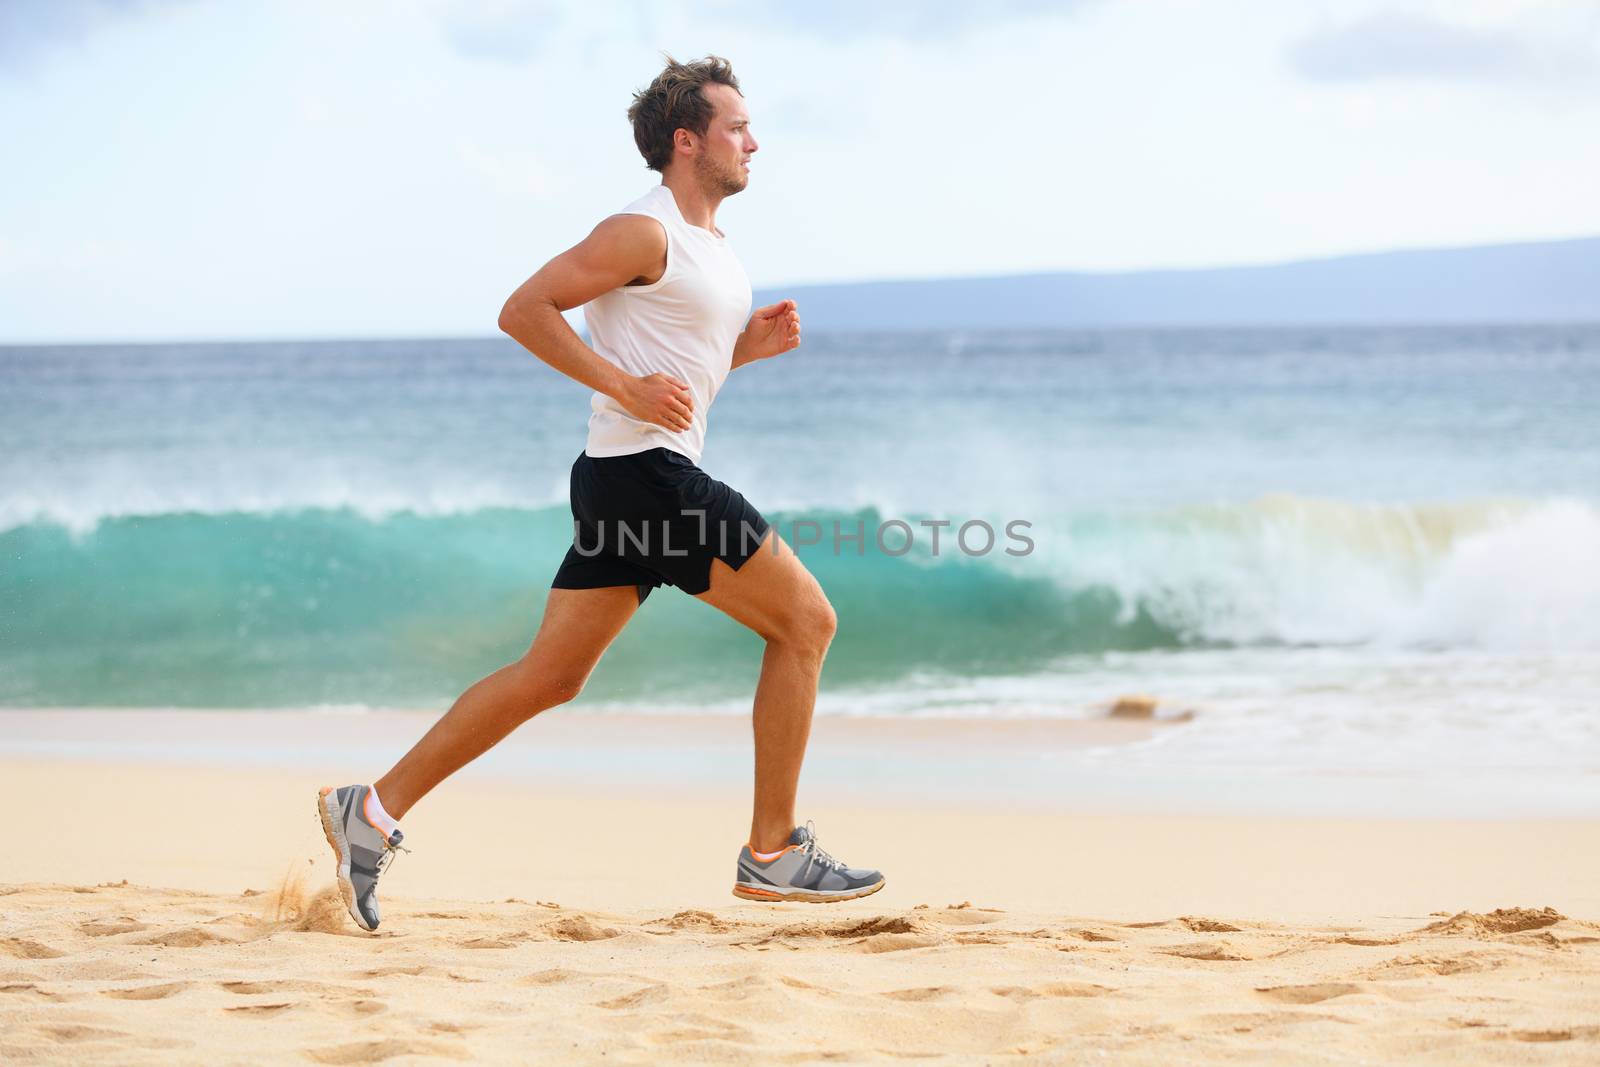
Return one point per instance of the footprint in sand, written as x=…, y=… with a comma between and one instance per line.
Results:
x=550, y=977
x=1207, y=926
x=111, y=929
x=1315, y=993
x=1053, y=989
x=378, y=1051
x=23, y=949
x=1410, y=966
x=245, y=989
x=188, y=937
x=932, y=992
x=746, y=987
x=263, y=1011
x=292, y=985
x=454, y=1028
x=700, y=1028
x=1195, y=923
x=651, y=994
x=1210, y=951
x=484, y=942
x=412, y=971
x=76, y=1032
x=897, y=942
x=31, y=991
x=1575, y=1033
x=883, y=933
x=799, y=983
x=148, y=992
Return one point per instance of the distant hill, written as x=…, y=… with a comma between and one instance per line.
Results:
x=1545, y=281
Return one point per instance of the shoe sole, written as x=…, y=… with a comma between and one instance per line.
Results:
x=327, y=810
x=804, y=896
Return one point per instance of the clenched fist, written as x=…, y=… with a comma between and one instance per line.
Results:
x=660, y=399
x=772, y=330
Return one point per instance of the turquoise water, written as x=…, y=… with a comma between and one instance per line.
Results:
x=1337, y=544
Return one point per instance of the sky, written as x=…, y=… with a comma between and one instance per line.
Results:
x=190, y=169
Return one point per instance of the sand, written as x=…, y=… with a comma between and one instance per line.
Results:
x=167, y=913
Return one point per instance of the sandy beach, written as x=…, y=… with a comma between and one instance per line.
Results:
x=183, y=911
x=1181, y=418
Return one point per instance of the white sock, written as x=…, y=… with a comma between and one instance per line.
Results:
x=766, y=857
x=373, y=810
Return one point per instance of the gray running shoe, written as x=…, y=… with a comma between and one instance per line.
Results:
x=802, y=872
x=362, y=849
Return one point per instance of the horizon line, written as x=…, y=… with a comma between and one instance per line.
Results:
x=937, y=279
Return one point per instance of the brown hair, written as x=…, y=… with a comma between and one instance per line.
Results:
x=674, y=102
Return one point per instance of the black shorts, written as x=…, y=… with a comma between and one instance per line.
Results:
x=651, y=518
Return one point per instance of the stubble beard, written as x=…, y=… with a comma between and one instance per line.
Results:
x=715, y=179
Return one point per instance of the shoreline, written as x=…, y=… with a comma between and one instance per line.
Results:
x=1001, y=764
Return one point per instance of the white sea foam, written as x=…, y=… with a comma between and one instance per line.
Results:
x=1498, y=574
x=82, y=508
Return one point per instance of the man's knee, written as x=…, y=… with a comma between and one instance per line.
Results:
x=809, y=628
x=560, y=690
x=540, y=688
x=827, y=623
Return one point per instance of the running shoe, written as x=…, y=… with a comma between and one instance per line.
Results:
x=362, y=850
x=802, y=871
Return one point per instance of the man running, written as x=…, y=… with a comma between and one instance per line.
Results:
x=666, y=301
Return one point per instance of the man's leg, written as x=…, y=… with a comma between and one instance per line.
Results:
x=778, y=598
x=578, y=626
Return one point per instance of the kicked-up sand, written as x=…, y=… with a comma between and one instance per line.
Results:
x=166, y=913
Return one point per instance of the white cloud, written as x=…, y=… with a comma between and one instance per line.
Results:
x=908, y=20
x=502, y=31
x=30, y=30
x=300, y=168
x=1400, y=44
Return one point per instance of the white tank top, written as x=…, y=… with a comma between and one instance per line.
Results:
x=684, y=324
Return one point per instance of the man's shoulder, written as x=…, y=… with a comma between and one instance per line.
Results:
x=636, y=243
x=632, y=228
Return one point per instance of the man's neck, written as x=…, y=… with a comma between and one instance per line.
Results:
x=697, y=206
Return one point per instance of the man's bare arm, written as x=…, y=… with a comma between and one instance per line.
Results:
x=622, y=249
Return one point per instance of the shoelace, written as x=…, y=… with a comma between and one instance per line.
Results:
x=816, y=851
x=390, y=848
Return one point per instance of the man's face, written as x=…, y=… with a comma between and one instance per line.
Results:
x=723, y=162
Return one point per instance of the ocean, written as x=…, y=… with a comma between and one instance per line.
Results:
x=1352, y=549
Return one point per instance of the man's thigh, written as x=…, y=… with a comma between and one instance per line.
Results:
x=771, y=592
x=579, y=624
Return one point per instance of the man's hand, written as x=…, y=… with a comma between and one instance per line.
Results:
x=771, y=331
x=660, y=399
